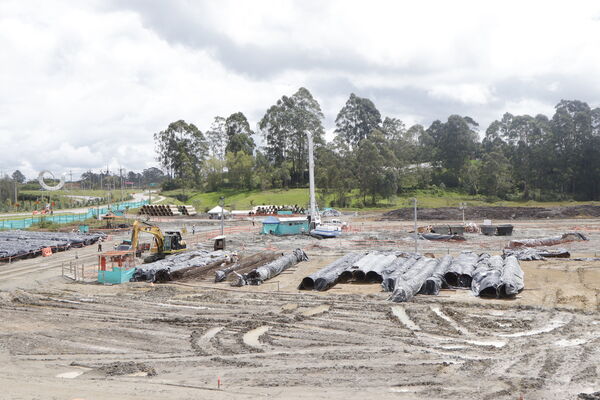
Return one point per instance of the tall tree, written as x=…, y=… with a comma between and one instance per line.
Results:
x=217, y=138
x=284, y=127
x=356, y=120
x=18, y=176
x=181, y=150
x=239, y=134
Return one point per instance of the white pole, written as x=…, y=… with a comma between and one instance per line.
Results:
x=222, y=203
x=311, y=179
x=416, y=231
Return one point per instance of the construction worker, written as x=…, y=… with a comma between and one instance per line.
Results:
x=99, y=246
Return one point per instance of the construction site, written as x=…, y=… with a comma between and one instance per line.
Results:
x=446, y=312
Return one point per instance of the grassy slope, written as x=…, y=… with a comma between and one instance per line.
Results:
x=244, y=200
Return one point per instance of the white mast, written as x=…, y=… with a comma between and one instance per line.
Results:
x=311, y=178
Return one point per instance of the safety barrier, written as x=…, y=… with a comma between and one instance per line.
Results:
x=68, y=218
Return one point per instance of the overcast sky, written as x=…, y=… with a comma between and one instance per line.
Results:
x=85, y=84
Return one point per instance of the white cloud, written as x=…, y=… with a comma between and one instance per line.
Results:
x=85, y=85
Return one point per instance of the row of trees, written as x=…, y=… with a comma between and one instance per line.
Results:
x=374, y=157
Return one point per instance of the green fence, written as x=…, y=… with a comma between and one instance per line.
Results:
x=68, y=218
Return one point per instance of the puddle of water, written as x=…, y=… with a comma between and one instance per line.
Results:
x=400, y=313
x=453, y=323
x=69, y=375
x=315, y=310
x=251, y=337
x=210, y=333
x=552, y=325
x=495, y=343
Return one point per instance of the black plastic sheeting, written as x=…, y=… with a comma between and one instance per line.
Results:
x=460, y=271
x=436, y=281
x=15, y=244
x=272, y=269
x=162, y=270
x=529, y=254
x=410, y=283
x=548, y=241
x=397, y=268
x=497, y=277
x=512, y=280
x=328, y=276
x=438, y=236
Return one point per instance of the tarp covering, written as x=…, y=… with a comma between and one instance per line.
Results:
x=163, y=270
x=460, y=270
x=373, y=263
x=25, y=243
x=436, y=281
x=487, y=276
x=274, y=268
x=529, y=254
x=441, y=237
x=512, y=280
x=395, y=269
x=328, y=276
x=246, y=264
x=548, y=241
x=408, y=284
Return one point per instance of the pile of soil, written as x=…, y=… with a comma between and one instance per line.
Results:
x=126, y=368
x=490, y=212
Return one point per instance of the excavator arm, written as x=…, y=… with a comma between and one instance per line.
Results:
x=155, y=231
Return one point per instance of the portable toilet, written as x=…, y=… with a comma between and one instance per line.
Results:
x=270, y=225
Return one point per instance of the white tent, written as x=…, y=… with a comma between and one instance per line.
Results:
x=217, y=210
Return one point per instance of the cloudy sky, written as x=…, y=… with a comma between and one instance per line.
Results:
x=85, y=84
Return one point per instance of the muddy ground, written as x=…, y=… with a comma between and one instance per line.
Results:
x=452, y=213
x=64, y=340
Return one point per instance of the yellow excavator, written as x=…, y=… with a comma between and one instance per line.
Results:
x=164, y=244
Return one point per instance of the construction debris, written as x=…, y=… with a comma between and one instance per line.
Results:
x=259, y=275
x=177, y=266
x=529, y=254
x=549, y=241
x=22, y=244
x=246, y=264
x=437, y=236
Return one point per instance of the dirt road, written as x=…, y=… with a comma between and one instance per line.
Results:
x=66, y=340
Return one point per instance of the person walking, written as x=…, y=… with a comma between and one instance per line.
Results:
x=99, y=246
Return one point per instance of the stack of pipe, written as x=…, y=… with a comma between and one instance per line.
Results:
x=173, y=266
x=187, y=210
x=16, y=244
x=328, y=276
x=160, y=210
x=498, y=277
x=246, y=264
x=259, y=275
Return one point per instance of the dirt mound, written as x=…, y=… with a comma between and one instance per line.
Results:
x=126, y=368
x=489, y=212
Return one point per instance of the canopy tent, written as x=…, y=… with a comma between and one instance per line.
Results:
x=218, y=210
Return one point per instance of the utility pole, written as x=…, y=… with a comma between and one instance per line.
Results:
x=222, y=204
x=462, y=207
x=71, y=180
x=416, y=231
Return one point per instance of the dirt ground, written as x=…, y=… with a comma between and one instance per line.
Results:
x=67, y=340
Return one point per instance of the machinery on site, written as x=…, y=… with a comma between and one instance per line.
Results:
x=164, y=243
